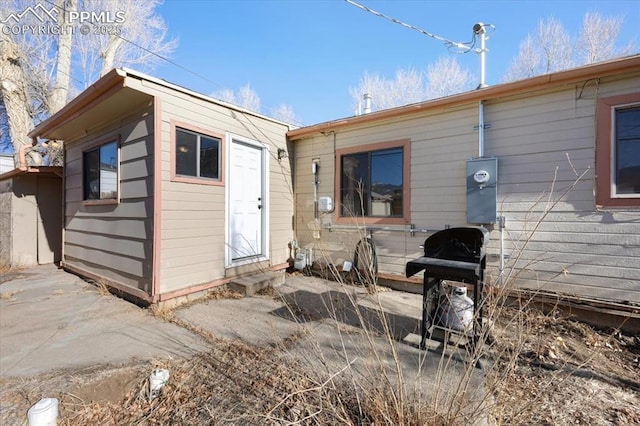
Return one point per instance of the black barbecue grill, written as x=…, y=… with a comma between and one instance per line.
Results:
x=454, y=254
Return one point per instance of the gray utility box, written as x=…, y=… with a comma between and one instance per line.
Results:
x=482, y=190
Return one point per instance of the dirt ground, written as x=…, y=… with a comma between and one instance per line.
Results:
x=561, y=371
x=540, y=369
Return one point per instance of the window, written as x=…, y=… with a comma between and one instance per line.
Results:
x=197, y=155
x=618, y=151
x=373, y=182
x=626, y=156
x=100, y=171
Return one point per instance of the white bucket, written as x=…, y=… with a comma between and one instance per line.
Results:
x=157, y=380
x=43, y=412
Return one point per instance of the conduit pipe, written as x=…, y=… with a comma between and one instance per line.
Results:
x=481, y=129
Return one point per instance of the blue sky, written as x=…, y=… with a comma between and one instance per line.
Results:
x=307, y=53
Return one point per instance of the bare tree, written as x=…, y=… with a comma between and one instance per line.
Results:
x=526, y=63
x=443, y=78
x=39, y=71
x=555, y=44
x=446, y=77
x=551, y=48
x=13, y=87
x=249, y=99
x=284, y=113
x=597, y=38
x=139, y=44
x=60, y=90
x=246, y=97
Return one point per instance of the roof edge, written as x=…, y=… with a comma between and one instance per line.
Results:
x=106, y=82
x=118, y=76
x=42, y=170
x=142, y=76
x=601, y=69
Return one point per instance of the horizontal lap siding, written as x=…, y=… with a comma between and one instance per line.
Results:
x=114, y=241
x=440, y=145
x=192, y=246
x=543, y=142
x=553, y=230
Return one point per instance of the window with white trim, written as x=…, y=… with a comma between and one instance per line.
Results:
x=625, y=158
x=618, y=151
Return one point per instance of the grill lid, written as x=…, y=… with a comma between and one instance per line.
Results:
x=453, y=253
x=466, y=244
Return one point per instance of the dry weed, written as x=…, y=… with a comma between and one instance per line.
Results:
x=8, y=295
x=162, y=311
x=223, y=293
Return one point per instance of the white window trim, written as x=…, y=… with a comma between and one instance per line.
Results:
x=613, y=146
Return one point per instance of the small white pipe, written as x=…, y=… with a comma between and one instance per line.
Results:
x=367, y=103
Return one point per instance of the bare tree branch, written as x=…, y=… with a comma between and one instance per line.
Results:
x=551, y=48
x=443, y=78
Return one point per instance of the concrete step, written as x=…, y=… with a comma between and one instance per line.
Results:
x=250, y=284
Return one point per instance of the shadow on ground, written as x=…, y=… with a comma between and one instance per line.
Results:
x=304, y=306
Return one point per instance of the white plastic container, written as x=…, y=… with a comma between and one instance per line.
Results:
x=157, y=380
x=43, y=412
x=457, y=310
x=300, y=261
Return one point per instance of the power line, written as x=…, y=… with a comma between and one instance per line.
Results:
x=450, y=44
x=163, y=58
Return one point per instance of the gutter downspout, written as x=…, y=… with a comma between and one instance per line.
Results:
x=481, y=129
x=315, y=165
x=501, y=223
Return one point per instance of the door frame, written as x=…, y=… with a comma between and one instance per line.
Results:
x=264, y=150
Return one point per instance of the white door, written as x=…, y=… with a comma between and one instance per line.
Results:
x=246, y=202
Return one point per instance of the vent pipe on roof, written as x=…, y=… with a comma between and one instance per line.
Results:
x=367, y=103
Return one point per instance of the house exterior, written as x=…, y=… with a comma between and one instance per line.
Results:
x=168, y=192
x=556, y=156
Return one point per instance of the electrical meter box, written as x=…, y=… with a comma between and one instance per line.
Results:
x=482, y=190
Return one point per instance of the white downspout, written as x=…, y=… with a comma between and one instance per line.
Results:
x=501, y=222
x=481, y=129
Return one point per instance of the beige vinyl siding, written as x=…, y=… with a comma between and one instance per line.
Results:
x=541, y=139
x=114, y=241
x=192, y=224
x=439, y=141
x=543, y=143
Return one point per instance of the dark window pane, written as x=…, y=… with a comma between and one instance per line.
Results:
x=91, y=171
x=100, y=172
x=386, y=186
x=355, y=185
x=109, y=171
x=372, y=183
x=627, y=161
x=209, y=165
x=186, y=153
